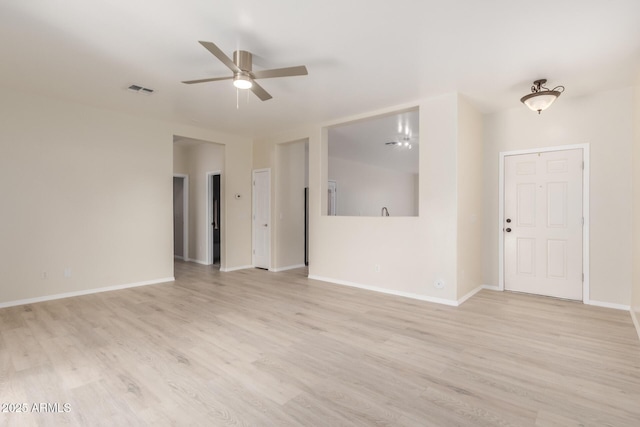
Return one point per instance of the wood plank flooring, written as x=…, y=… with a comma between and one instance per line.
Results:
x=253, y=348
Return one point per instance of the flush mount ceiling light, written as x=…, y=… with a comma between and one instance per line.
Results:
x=242, y=80
x=541, y=97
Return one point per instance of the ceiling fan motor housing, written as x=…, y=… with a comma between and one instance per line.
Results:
x=242, y=59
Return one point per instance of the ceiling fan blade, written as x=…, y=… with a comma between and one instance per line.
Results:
x=260, y=92
x=189, y=82
x=300, y=70
x=215, y=50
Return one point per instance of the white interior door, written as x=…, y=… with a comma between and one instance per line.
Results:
x=262, y=218
x=543, y=223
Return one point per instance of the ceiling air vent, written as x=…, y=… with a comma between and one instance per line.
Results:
x=140, y=89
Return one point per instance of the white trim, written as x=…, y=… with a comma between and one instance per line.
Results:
x=501, y=223
x=609, y=305
x=209, y=216
x=85, y=292
x=178, y=257
x=636, y=322
x=585, y=211
x=242, y=267
x=185, y=214
x=387, y=291
x=470, y=294
x=289, y=267
x=492, y=287
x=199, y=261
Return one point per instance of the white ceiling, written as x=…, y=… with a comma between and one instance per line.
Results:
x=362, y=55
x=364, y=141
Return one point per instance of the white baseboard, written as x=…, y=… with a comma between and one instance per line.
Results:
x=469, y=295
x=84, y=292
x=197, y=261
x=289, y=267
x=491, y=287
x=636, y=322
x=241, y=267
x=181, y=258
x=387, y=291
x=608, y=305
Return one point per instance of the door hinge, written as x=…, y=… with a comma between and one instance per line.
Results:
x=582, y=165
x=582, y=277
x=583, y=221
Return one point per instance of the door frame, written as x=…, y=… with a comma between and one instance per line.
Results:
x=185, y=214
x=209, y=217
x=585, y=210
x=253, y=216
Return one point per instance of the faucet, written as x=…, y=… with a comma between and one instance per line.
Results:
x=384, y=211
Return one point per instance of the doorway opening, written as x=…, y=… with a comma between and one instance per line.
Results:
x=544, y=221
x=181, y=217
x=290, y=232
x=199, y=160
x=214, y=219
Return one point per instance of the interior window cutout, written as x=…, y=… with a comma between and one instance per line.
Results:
x=373, y=166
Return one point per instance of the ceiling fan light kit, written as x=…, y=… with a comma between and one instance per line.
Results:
x=243, y=75
x=242, y=80
x=404, y=143
x=541, y=97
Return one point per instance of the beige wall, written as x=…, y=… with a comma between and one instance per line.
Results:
x=82, y=189
x=364, y=189
x=603, y=120
x=290, y=177
x=90, y=191
x=238, y=158
x=635, y=291
x=196, y=160
x=470, y=198
x=411, y=252
x=236, y=212
x=402, y=255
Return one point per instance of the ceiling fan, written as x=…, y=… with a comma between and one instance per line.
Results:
x=243, y=76
x=405, y=141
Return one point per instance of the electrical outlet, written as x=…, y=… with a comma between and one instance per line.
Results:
x=377, y=268
x=43, y=275
x=67, y=272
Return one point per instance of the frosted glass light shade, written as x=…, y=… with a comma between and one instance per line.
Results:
x=242, y=82
x=540, y=101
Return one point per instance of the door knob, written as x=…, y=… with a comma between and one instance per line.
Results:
x=265, y=225
x=508, y=219
x=508, y=230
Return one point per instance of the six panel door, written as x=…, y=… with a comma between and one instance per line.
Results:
x=543, y=223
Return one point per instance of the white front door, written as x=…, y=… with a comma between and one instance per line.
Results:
x=262, y=218
x=543, y=222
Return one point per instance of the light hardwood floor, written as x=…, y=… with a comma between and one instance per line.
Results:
x=277, y=349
